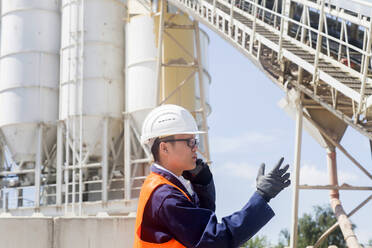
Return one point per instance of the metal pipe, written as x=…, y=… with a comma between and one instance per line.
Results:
x=275, y=10
x=201, y=88
x=6, y=206
x=39, y=155
x=160, y=50
x=127, y=158
x=251, y=41
x=326, y=30
x=7, y=173
x=347, y=47
x=296, y=173
x=141, y=161
x=231, y=17
x=318, y=44
x=333, y=187
x=364, y=48
x=104, y=160
x=332, y=172
x=19, y=198
x=214, y=12
x=344, y=222
x=263, y=10
x=90, y=165
x=281, y=32
x=309, y=26
x=340, y=44
x=332, y=228
x=73, y=165
x=67, y=144
x=81, y=59
x=59, y=165
x=303, y=36
x=365, y=70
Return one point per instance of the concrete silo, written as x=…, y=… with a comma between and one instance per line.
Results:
x=92, y=88
x=30, y=43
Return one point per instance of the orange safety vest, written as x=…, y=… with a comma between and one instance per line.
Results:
x=151, y=183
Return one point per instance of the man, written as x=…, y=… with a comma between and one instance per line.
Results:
x=177, y=200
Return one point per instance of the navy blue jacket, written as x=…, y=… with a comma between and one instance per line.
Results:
x=169, y=214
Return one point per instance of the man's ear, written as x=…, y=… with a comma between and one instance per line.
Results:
x=163, y=147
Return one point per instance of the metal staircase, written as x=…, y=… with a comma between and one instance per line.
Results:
x=276, y=41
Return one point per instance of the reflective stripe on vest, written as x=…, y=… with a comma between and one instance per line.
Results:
x=151, y=183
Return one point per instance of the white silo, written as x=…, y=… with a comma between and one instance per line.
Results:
x=141, y=60
x=178, y=83
x=141, y=63
x=92, y=62
x=30, y=44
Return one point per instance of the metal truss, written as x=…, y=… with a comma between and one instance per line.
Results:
x=261, y=33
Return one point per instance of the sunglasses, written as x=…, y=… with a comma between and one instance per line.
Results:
x=190, y=142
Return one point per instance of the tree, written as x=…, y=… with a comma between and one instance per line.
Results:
x=256, y=242
x=284, y=237
x=369, y=244
x=312, y=226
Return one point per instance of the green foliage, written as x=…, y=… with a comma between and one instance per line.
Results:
x=284, y=237
x=256, y=242
x=311, y=227
x=369, y=244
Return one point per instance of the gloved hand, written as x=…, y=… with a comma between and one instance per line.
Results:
x=201, y=174
x=268, y=186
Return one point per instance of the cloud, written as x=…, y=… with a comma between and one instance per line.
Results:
x=236, y=143
x=241, y=170
x=312, y=175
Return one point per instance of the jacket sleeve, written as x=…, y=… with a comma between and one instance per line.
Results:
x=199, y=228
x=206, y=195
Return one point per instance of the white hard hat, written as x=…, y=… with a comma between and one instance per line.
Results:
x=168, y=120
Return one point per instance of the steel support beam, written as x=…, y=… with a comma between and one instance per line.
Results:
x=105, y=161
x=39, y=156
x=296, y=174
x=160, y=49
x=59, y=164
x=202, y=91
x=127, y=157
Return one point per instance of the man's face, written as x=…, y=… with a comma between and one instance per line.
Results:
x=181, y=157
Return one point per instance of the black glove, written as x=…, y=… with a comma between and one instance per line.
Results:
x=268, y=186
x=201, y=174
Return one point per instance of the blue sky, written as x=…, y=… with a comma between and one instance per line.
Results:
x=247, y=128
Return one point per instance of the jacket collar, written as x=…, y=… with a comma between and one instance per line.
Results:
x=170, y=177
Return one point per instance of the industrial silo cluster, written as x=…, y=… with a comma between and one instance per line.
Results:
x=72, y=72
